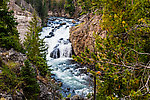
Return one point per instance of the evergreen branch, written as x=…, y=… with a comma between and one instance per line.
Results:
x=133, y=28
x=120, y=65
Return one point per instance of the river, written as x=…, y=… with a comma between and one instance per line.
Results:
x=74, y=77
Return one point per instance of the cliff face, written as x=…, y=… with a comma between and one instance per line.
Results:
x=81, y=36
x=23, y=14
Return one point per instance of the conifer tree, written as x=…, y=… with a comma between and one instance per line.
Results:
x=9, y=36
x=69, y=7
x=30, y=86
x=121, y=59
x=9, y=81
x=35, y=47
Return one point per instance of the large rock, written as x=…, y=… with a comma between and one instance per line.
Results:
x=55, y=53
x=81, y=36
x=76, y=97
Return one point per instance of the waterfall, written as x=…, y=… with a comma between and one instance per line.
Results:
x=75, y=79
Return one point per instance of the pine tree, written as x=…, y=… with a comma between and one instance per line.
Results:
x=32, y=39
x=69, y=7
x=35, y=47
x=121, y=61
x=9, y=81
x=30, y=86
x=9, y=36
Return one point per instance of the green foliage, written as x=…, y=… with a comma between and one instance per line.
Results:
x=69, y=95
x=9, y=36
x=9, y=81
x=35, y=47
x=123, y=55
x=89, y=5
x=56, y=6
x=42, y=66
x=41, y=7
x=30, y=86
x=69, y=7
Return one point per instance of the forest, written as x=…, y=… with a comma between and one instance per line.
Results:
x=119, y=62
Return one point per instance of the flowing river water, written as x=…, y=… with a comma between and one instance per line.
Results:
x=74, y=77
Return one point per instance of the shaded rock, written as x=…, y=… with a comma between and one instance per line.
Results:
x=53, y=30
x=68, y=89
x=60, y=84
x=52, y=19
x=66, y=42
x=91, y=75
x=55, y=53
x=73, y=91
x=48, y=36
x=61, y=39
x=49, y=22
x=75, y=97
x=56, y=47
x=62, y=24
x=67, y=98
x=56, y=26
x=44, y=92
x=67, y=26
x=57, y=98
x=52, y=80
x=51, y=34
x=83, y=70
x=73, y=21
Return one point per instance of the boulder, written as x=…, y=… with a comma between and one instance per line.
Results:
x=62, y=24
x=55, y=53
x=75, y=97
x=73, y=21
x=52, y=19
x=51, y=34
x=48, y=36
x=53, y=30
x=60, y=84
x=67, y=98
x=67, y=26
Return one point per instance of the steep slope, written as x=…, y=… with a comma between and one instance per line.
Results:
x=81, y=36
x=23, y=14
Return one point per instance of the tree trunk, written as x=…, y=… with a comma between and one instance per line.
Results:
x=94, y=88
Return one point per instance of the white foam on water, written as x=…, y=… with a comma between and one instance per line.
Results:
x=63, y=66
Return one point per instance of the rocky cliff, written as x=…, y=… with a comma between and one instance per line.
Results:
x=23, y=14
x=81, y=36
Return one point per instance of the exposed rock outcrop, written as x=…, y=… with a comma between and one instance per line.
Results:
x=12, y=55
x=60, y=13
x=15, y=60
x=23, y=14
x=81, y=36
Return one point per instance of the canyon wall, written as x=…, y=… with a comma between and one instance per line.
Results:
x=23, y=13
x=81, y=35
